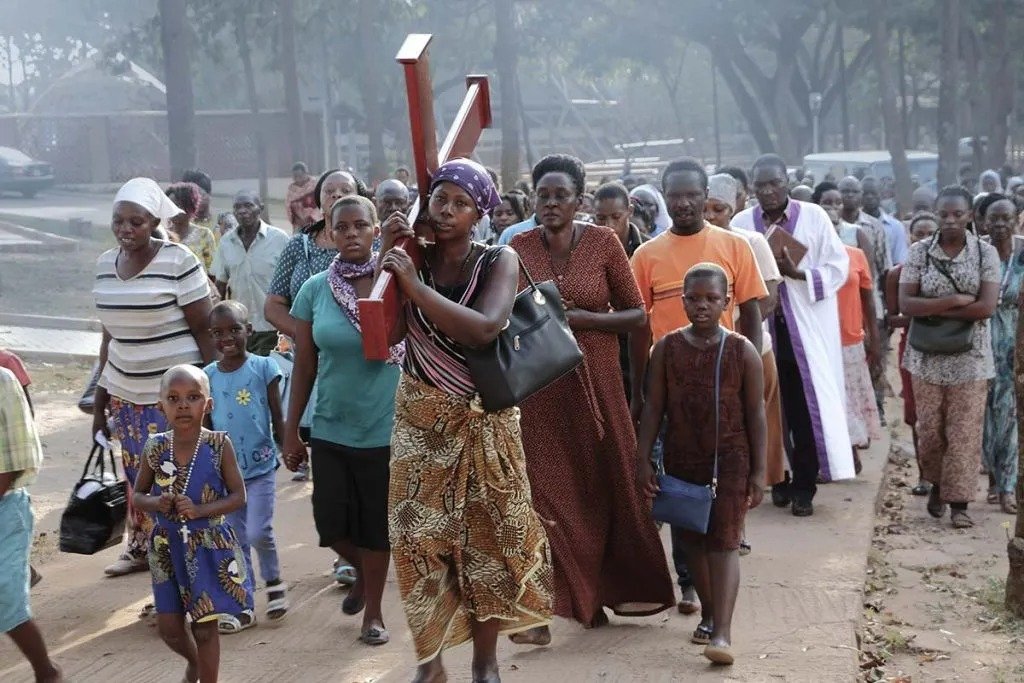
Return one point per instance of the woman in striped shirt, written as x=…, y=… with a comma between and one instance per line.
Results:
x=153, y=298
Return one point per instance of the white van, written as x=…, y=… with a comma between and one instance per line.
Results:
x=876, y=163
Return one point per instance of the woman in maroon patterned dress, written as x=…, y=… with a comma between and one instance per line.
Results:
x=578, y=435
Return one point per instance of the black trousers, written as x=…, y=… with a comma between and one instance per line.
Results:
x=803, y=454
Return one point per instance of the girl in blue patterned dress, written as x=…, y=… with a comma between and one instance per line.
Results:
x=189, y=480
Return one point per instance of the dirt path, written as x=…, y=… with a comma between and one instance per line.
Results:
x=796, y=620
x=934, y=594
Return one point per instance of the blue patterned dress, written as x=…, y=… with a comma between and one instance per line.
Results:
x=197, y=566
x=999, y=448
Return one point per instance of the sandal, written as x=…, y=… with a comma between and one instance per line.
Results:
x=1008, y=503
x=993, y=496
x=744, y=548
x=229, y=624
x=344, y=574
x=701, y=635
x=539, y=635
x=923, y=488
x=961, y=520
x=719, y=654
x=936, y=508
x=277, y=601
x=374, y=636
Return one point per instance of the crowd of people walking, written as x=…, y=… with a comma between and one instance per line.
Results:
x=749, y=323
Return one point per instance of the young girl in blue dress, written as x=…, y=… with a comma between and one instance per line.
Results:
x=189, y=480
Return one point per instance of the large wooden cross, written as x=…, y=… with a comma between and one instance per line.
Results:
x=378, y=313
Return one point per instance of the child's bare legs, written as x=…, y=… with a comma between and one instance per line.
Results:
x=724, y=567
x=697, y=561
x=208, y=645
x=373, y=574
x=485, y=644
x=30, y=641
x=179, y=639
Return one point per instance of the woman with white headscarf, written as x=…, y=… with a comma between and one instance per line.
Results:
x=651, y=198
x=153, y=299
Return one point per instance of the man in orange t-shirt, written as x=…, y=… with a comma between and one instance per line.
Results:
x=660, y=264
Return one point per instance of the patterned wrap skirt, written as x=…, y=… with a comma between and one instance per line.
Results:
x=132, y=424
x=862, y=418
x=466, y=541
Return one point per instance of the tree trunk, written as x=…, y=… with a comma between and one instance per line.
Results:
x=1000, y=85
x=895, y=135
x=844, y=101
x=947, y=129
x=369, y=85
x=506, y=60
x=175, y=38
x=290, y=71
x=746, y=102
x=244, y=51
x=525, y=122
x=976, y=117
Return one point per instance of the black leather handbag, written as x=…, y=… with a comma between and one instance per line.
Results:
x=95, y=515
x=535, y=348
x=938, y=335
x=684, y=504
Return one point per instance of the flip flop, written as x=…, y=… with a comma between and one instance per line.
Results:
x=701, y=635
x=719, y=654
x=374, y=636
x=229, y=624
x=993, y=497
x=744, y=548
x=345, y=574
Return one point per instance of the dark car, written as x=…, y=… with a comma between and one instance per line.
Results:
x=21, y=173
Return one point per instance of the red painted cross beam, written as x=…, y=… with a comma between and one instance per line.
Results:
x=378, y=313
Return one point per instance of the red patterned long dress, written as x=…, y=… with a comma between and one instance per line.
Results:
x=581, y=449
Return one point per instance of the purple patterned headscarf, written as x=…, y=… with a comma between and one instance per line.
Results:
x=471, y=177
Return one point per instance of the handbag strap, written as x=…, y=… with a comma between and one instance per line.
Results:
x=940, y=266
x=660, y=461
x=96, y=459
x=718, y=392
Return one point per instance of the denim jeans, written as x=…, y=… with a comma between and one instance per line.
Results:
x=253, y=524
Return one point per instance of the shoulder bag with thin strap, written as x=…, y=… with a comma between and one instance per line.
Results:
x=681, y=503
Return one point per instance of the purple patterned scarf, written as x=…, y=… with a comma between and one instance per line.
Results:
x=339, y=277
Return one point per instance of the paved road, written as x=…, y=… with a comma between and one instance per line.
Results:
x=798, y=609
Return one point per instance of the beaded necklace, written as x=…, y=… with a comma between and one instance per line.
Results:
x=184, y=531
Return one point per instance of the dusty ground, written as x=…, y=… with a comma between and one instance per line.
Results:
x=933, y=606
x=797, y=617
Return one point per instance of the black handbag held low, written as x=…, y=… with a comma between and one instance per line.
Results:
x=681, y=503
x=938, y=335
x=95, y=515
x=535, y=348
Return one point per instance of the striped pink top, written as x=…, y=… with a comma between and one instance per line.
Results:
x=433, y=357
